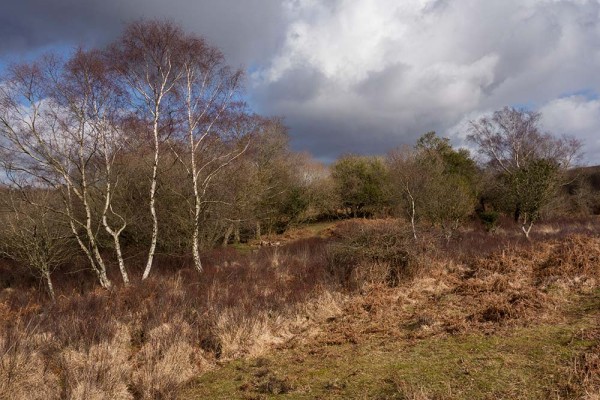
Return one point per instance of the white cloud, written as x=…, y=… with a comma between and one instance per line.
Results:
x=579, y=116
x=385, y=71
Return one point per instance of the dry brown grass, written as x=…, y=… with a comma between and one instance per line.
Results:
x=100, y=371
x=24, y=372
x=512, y=287
x=585, y=369
x=148, y=340
x=165, y=361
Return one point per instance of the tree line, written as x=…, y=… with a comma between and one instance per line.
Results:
x=146, y=147
x=521, y=171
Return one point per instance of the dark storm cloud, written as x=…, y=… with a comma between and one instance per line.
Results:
x=246, y=30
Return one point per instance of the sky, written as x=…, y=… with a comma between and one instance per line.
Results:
x=366, y=76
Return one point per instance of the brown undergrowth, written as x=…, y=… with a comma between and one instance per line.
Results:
x=371, y=280
x=515, y=286
x=146, y=340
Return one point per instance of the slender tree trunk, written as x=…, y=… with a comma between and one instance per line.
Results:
x=120, y=259
x=153, y=184
x=258, y=232
x=94, y=246
x=227, y=235
x=196, y=249
x=104, y=282
x=412, y=214
x=49, y=284
x=236, y=233
x=197, y=205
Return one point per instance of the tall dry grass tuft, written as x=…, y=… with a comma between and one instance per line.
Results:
x=165, y=362
x=24, y=371
x=100, y=371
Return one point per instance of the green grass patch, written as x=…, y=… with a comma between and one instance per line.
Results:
x=528, y=363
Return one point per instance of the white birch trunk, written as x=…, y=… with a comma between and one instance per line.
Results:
x=115, y=234
x=412, y=213
x=527, y=229
x=49, y=284
x=154, y=238
x=197, y=212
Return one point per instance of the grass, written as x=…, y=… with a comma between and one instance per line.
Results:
x=526, y=364
x=520, y=363
x=366, y=313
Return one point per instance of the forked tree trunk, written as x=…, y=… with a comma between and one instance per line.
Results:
x=98, y=269
x=114, y=233
x=527, y=229
x=91, y=249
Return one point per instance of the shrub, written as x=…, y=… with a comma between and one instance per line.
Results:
x=490, y=220
x=377, y=252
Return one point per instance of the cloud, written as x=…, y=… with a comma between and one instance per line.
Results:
x=579, y=116
x=366, y=75
x=246, y=30
x=388, y=71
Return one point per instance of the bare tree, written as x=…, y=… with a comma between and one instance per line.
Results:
x=148, y=59
x=47, y=142
x=530, y=162
x=510, y=138
x=408, y=181
x=89, y=87
x=89, y=73
x=209, y=86
x=31, y=234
